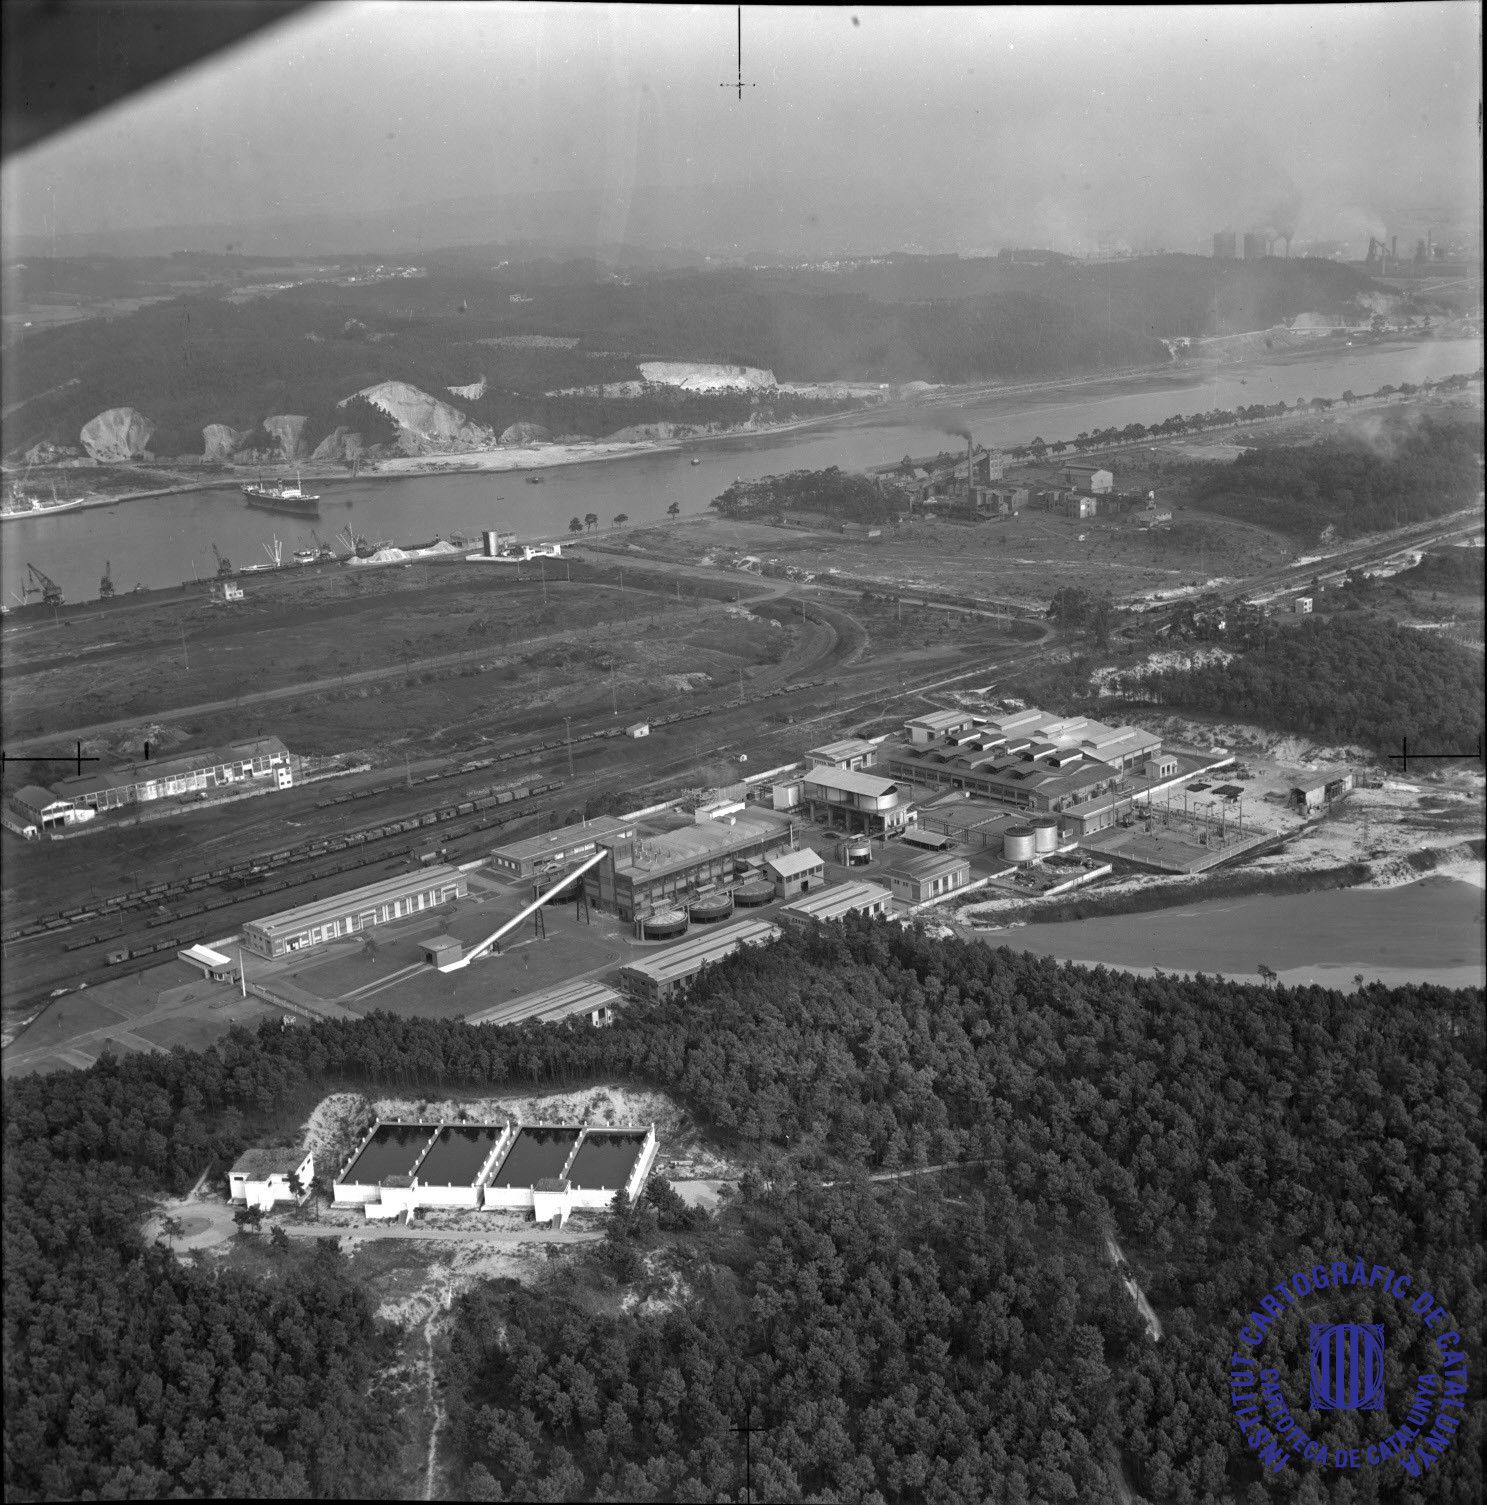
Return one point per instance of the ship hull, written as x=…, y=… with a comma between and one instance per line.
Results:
x=295, y=507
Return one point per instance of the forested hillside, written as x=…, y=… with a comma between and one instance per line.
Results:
x=200, y=360
x=1350, y=678
x=1413, y=470
x=963, y=1337
x=1161, y=295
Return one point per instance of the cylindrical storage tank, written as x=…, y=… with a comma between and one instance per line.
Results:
x=857, y=853
x=712, y=908
x=753, y=893
x=1020, y=843
x=1045, y=833
x=664, y=924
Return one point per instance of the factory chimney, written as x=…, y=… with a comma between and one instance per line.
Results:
x=970, y=469
x=1394, y=250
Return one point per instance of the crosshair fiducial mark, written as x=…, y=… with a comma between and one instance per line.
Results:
x=738, y=83
x=77, y=758
x=1403, y=756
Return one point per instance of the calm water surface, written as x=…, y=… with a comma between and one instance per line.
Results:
x=165, y=540
x=1431, y=931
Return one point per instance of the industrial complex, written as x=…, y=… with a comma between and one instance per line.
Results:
x=399, y=1169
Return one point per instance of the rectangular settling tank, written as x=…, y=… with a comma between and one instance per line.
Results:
x=458, y=1154
x=605, y=1161
x=392, y=1151
x=536, y=1155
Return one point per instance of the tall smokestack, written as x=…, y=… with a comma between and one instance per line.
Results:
x=970, y=467
x=1394, y=249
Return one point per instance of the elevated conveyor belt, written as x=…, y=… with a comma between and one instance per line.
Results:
x=494, y=938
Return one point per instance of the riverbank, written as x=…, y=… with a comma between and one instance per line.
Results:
x=1426, y=932
x=1177, y=374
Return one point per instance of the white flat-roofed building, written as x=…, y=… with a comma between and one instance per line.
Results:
x=850, y=753
x=351, y=913
x=933, y=876
x=211, y=964
x=44, y=809
x=939, y=725
x=854, y=800
x=851, y=897
x=260, y=1178
x=795, y=872
x=656, y=977
x=253, y=766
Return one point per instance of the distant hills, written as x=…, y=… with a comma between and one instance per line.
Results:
x=201, y=359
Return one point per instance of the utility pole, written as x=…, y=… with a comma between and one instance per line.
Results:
x=568, y=734
x=186, y=656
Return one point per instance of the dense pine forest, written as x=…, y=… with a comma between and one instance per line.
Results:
x=1411, y=471
x=957, y=1336
x=1351, y=678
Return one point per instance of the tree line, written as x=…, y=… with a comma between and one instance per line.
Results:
x=894, y=1339
x=1357, y=678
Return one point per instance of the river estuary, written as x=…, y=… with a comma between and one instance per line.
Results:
x=160, y=541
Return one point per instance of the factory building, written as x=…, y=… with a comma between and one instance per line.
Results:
x=1225, y=244
x=1029, y=760
x=657, y=977
x=795, y=872
x=835, y=903
x=213, y=966
x=252, y=766
x=647, y=873
x=260, y=1178
x=1256, y=246
x=33, y=811
x=851, y=753
x=1318, y=793
x=854, y=801
x=523, y=859
x=1091, y=480
x=351, y=913
x=548, y=1169
x=934, y=875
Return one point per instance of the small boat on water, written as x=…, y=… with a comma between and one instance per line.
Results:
x=535, y=480
x=695, y=460
x=279, y=496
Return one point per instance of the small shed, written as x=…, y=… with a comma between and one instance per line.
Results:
x=211, y=964
x=441, y=950
x=795, y=872
x=638, y=729
x=1319, y=792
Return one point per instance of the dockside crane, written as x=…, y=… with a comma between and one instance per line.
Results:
x=224, y=565
x=106, y=585
x=45, y=587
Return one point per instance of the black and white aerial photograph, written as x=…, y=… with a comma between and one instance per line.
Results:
x=742, y=752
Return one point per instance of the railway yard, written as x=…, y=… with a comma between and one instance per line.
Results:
x=440, y=711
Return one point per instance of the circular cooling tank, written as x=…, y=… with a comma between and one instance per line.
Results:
x=664, y=924
x=1045, y=833
x=1020, y=843
x=857, y=853
x=711, y=908
x=753, y=893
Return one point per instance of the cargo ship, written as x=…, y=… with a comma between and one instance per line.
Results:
x=279, y=496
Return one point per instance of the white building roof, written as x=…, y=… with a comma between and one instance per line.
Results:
x=712, y=946
x=792, y=864
x=840, y=899
x=849, y=781
x=848, y=747
x=205, y=956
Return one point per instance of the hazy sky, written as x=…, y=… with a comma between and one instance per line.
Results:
x=978, y=127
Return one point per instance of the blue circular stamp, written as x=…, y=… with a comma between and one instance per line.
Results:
x=1366, y=1341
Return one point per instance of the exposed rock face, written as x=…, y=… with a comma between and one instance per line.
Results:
x=661, y=430
x=289, y=430
x=425, y=425
x=219, y=442
x=341, y=444
x=526, y=433
x=47, y=453
x=118, y=434
x=706, y=376
x=474, y=390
